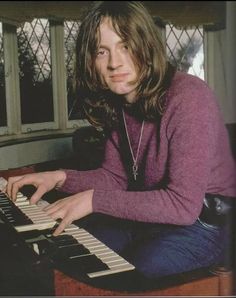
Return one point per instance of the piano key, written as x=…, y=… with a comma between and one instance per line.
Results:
x=72, y=251
x=20, y=195
x=36, y=248
x=27, y=206
x=44, y=221
x=42, y=204
x=35, y=216
x=117, y=269
x=71, y=228
x=38, y=215
x=114, y=263
x=108, y=257
x=21, y=199
x=100, y=249
x=4, y=203
x=35, y=226
x=34, y=233
x=30, y=208
x=88, y=241
x=3, y=183
x=85, y=264
x=93, y=245
x=22, y=203
x=63, y=239
x=32, y=213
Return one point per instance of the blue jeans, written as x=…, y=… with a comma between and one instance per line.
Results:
x=157, y=249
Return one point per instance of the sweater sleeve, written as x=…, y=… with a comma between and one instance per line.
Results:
x=188, y=126
x=110, y=176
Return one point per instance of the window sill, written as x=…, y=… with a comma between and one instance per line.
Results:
x=34, y=136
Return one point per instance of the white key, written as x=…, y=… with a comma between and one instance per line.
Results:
x=38, y=226
x=3, y=183
x=20, y=195
x=117, y=269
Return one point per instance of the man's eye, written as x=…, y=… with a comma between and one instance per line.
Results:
x=125, y=47
x=101, y=52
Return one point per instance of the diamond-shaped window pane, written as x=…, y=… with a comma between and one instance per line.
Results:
x=71, y=30
x=3, y=114
x=35, y=72
x=185, y=49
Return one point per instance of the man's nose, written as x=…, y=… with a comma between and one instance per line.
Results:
x=115, y=60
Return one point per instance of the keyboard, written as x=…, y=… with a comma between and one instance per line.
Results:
x=73, y=249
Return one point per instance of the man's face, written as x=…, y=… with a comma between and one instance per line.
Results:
x=115, y=64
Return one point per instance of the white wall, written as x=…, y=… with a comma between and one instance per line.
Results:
x=221, y=64
x=23, y=154
x=216, y=66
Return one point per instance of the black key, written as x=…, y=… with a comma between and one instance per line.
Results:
x=4, y=204
x=2, y=195
x=19, y=217
x=11, y=210
x=44, y=247
x=32, y=234
x=85, y=264
x=62, y=240
x=71, y=251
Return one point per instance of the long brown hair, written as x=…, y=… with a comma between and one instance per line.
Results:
x=135, y=26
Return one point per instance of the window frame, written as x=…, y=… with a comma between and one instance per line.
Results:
x=61, y=124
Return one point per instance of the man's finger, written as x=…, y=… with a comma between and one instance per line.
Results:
x=64, y=223
x=37, y=195
x=15, y=188
x=10, y=182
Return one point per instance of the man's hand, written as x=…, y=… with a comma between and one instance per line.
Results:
x=70, y=209
x=43, y=182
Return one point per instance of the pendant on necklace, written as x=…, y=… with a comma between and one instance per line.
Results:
x=134, y=158
x=135, y=171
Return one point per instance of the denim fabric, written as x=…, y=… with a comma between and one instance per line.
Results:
x=157, y=249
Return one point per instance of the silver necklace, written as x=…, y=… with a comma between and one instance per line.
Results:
x=134, y=158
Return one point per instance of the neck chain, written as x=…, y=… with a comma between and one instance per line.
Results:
x=134, y=158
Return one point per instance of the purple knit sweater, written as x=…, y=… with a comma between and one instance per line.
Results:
x=192, y=152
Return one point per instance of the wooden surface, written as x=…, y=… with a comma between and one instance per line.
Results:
x=209, y=286
x=16, y=172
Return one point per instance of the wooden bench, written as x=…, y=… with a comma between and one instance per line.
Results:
x=201, y=282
